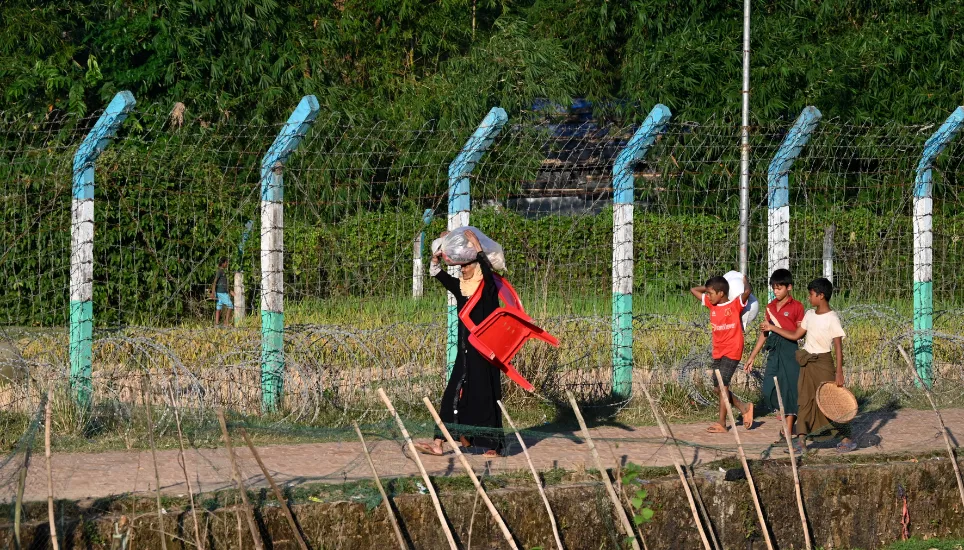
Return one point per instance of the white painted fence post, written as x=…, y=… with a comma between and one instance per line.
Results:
x=828, y=252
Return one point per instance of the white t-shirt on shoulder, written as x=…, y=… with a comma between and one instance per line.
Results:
x=821, y=330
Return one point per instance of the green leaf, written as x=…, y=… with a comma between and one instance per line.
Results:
x=637, y=503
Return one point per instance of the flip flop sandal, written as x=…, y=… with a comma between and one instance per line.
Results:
x=846, y=447
x=798, y=449
x=427, y=450
x=716, y=429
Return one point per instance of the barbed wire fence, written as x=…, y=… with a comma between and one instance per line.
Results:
x=174, y=194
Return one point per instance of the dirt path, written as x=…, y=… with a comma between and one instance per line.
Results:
x=95, y=475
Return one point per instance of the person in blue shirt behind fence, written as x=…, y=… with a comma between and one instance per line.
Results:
x=221, y=292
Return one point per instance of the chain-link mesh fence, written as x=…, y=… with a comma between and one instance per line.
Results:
x=173, y=195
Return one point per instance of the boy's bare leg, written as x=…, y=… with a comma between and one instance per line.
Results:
x=737, y=404
x=745, y=409
x=228, y=314
x=720, y=426
x=217, y=317
x=722, y=406
x=791, y=419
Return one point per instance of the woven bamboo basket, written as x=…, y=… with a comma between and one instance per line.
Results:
x=837, y=404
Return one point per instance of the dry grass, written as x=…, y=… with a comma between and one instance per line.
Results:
x=333, y=371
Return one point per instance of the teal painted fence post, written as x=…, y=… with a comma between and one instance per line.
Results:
x=460, y=204
x=778, y=190
x=418, y=266
x=272, y=250
x=923, y=253
x=82, y=245
x=623, y=259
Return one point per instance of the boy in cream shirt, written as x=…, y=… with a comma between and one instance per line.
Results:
x=821, y=360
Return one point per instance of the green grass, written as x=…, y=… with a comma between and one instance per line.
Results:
x=355, y=311
x=932, y=544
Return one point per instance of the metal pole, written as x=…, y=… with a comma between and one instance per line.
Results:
x=745, y=147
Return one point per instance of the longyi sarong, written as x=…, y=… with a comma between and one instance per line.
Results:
x=815, y=369
x=782, y=364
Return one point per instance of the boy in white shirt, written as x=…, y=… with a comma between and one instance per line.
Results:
x=821, y=360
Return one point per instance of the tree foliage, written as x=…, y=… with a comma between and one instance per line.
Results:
x=453, y=59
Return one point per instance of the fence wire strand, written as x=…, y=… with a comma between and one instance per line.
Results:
x=173, y=196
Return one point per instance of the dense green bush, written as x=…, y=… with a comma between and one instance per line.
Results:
x=170, y=201
x=152, y=264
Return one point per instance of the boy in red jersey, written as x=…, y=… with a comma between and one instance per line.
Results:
x=727, y=342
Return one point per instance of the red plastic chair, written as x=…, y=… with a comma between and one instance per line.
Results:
x=503, y=333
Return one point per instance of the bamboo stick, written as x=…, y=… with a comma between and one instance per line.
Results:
x=237, y=516
x=679, y=470
x=50, y=478
x=378, y=483
x=620, y=511
x=475, y=505
x=183, y=463
x=475, y=479
x=535, y=475
x=793, y=464
x=252, y=525
x=667, y=432
x=940, y=421
x=421, y=469
x=157, y=474
x=21, y=485
x=746, y=467
x=277, y=492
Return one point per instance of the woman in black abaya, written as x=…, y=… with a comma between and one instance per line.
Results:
x=469, y=406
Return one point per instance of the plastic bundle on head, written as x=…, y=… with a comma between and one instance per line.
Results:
x=752, y=307
x=456, y=249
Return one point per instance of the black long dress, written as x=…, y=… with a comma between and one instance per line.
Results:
x=480, y=382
